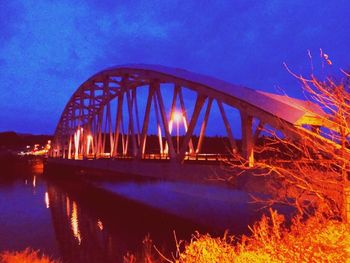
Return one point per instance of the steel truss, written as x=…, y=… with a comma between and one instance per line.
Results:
x=102, y=118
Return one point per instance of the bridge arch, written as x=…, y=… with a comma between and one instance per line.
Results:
x=87, y=128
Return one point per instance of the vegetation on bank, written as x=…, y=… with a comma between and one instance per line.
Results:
x=26, y=256
x=314, y=240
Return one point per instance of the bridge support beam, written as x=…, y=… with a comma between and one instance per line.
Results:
x=247, y=138
x=131, y=123
x=197, y=109
x=257, y=132
x=145, y=122
x=204, y=125
x=228, y=127
x=165, y=121
x=184, y=114
x=118, y=123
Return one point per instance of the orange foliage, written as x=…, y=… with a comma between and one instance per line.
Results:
x=315, y=240
x=26, y=256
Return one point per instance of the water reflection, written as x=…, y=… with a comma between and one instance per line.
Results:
x=47, y=200
x=75, y=223
x=94, y=226
x=25, y=220
x=34, y=181
x=217, y=207
x=80, y=221
x=100, y=224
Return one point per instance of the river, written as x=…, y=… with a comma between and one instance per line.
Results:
x=101, y=221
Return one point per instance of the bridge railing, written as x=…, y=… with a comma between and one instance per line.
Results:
x=155, y=156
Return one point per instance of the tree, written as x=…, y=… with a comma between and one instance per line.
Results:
x=310, y=170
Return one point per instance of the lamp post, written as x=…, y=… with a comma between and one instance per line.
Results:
x=177, y=118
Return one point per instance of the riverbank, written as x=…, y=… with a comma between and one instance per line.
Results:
x=314, y=240
x=11, y=165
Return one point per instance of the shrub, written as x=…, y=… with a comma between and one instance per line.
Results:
x=314, y=240
x=26, y=256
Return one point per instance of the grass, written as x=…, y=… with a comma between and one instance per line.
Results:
x=26, y=256
x=314, y=240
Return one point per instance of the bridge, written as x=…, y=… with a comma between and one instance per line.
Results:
x=110, y=115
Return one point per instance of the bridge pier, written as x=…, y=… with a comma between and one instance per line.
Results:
x=247, y=138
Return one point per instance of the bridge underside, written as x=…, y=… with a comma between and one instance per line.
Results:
x=111, y=115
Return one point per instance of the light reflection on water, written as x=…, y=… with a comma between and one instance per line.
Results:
x=47, y=200
x=67, y=206
x=24, y=217
x=76, y=222
x=34, y=181
x=100, y=224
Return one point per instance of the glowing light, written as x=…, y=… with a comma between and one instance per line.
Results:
x=170, y=126
x=76, y=144
x=177, y=116
x=100, y=224
x=48, y=145
x=70, y=148
x=47, y=200
x=75, y=222
x=160, y=139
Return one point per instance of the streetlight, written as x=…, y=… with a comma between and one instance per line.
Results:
x=177, y=116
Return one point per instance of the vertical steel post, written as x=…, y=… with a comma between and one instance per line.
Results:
x=247, y=138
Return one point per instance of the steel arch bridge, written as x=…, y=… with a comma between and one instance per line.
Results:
x=92, y=124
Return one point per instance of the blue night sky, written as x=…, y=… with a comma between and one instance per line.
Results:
x=48, y=48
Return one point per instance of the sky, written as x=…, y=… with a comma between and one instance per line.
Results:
x=48, y=48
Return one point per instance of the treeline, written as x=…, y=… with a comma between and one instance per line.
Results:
x=13, y=140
